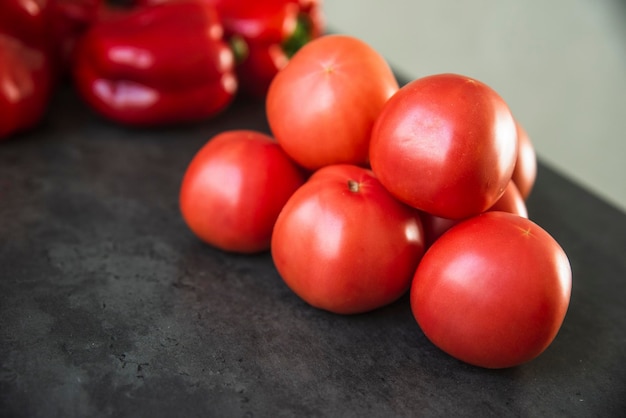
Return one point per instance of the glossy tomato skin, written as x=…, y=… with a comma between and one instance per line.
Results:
x=445, y=144
x=321, y=107
x=511, y=201
x=525, y=172
x=343, y=244
x=234, y=189
x=493, y=290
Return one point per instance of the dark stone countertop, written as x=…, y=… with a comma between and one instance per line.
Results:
x=110, y=307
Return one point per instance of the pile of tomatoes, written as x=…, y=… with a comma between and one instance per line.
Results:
x=366, y=190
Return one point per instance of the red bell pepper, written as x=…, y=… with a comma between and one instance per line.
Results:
x=25, y=85
x=271, y=32
x=26, y=20
x=264, y=35
x=49, y=25
x=155, y=65
x=69, y=19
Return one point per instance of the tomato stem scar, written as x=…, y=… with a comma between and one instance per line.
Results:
x=526, y=232
x=353, y=186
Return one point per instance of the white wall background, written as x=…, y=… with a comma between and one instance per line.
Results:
x=560, y=65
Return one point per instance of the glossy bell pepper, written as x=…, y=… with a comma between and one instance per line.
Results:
x=25, y=85
x=69, y=20
x=160, y=64
x=264, y=35
x=49, y=25
x=26, y=20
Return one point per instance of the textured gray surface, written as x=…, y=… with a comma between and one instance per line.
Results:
x=110, y=307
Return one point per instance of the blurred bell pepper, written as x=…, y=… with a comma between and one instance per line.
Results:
x=49, y=25
x=25, y=85
x=69, y=19
x=264, y=35
x=26, y=20
x=159, y=64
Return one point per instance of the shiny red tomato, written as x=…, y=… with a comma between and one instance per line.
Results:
x=525, y=172
x=234, y=189
x=344, y=244
x=445, y=144
x=493, y=290
x=511, y=201
x=321, y=107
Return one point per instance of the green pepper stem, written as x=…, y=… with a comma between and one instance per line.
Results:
x=239, y=46
x=300, y=36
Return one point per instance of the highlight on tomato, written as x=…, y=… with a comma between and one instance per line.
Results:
x=322, y=105
x=493, y=290
x=525, y=172
x=445, y=144
x=342, y=243
x=235, y=187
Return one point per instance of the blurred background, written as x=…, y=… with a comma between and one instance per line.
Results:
x=560, y=65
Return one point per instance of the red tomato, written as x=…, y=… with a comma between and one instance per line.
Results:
x=525, y=172
x=321, y=107
x=492, y=291
x=445, y=144
x=435, y=226
x=344, y=244
x=234, y=188
x=511, y=201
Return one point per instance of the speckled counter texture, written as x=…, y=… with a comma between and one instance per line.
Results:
x=109, y=306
